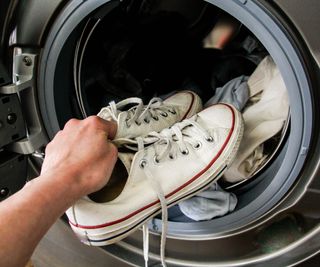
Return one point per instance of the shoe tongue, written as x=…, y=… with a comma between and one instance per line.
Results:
x=126, y=158
x=205, y=120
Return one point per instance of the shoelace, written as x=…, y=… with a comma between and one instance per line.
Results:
x=168, y=143
x=139, y=111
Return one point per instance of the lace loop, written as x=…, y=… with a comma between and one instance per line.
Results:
x=164, y=114
x=143, y=163
x=156, y=160
x=210, y=139
x=185, y=152
x=198, y=145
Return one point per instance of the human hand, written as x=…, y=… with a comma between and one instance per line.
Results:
x=80, y=155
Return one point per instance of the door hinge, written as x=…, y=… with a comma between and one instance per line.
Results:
x=23, y=74
x=24, y=85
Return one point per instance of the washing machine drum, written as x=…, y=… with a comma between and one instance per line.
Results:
x=92, y=52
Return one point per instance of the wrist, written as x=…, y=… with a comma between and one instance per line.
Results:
x=56, y=187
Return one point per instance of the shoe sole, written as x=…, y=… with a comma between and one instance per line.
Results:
x=228, y=155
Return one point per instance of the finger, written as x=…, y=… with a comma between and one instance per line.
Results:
x=109, y=127
x=112, y=129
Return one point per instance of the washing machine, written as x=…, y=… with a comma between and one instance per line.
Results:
x=52, y=66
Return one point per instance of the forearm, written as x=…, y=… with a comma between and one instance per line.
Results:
x=27, y=215
x=79, y=161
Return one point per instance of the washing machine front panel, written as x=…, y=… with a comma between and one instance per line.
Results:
x=294, y=47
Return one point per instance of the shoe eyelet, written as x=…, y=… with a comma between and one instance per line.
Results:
x=172, y=111
x=185, y=152
x=137, y=123
x=128, y=125
x=198, y=145
x=156, y=160
x=156, y=118
x=210, y=139
x=171, y=157
x=146, y=121
x=143, y=163
x=164, y=114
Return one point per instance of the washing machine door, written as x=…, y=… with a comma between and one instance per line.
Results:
x=276, y=222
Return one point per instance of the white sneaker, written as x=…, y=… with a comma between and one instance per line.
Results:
x=140, y=119
x=184, y=160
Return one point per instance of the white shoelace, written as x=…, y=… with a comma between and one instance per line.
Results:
x=168, y=143
x=139, y=111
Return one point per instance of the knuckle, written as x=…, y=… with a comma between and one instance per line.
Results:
x=58, y=135
x=93, y=120
x=71, y=122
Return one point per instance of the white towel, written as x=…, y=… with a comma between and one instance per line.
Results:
x=264, y=117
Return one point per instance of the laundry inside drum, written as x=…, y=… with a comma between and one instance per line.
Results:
x=155, y=48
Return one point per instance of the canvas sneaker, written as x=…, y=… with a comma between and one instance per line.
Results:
x=179, y=162
x=140, y=119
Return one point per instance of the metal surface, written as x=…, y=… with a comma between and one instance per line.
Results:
x=23, y=74
x=305, y=17
x=31, y=21
x=12, y=126
x=13, y=173
x=24, y=78
x=61, y=248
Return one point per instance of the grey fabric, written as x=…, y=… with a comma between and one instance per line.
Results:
x=235, y=92
x=175, y=215
x=214, y=202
